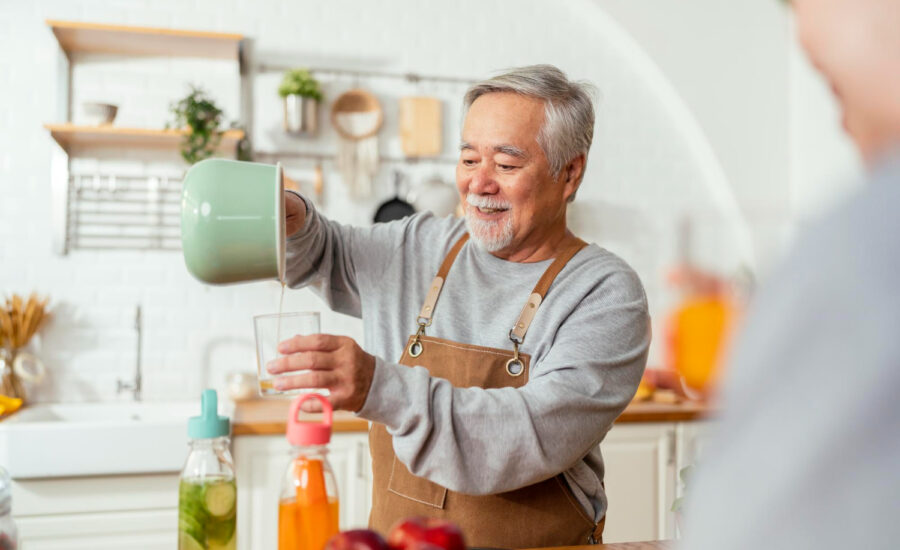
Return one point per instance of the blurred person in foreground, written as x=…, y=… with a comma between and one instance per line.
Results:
x=808, y=451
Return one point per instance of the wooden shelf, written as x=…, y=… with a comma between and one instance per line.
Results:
x=76, y=36
x=68, y=135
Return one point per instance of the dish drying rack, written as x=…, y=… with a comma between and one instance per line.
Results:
x=123, y=212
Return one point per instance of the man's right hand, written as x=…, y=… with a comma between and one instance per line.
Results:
x=294, y=213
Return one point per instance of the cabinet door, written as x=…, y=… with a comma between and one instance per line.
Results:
x=352, y=465
x=261, y=461
x=640, y=481
x=148, y=530
x=692, y=438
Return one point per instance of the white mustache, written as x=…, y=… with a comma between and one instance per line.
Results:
x=479, y=201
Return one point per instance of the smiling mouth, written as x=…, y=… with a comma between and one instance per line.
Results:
x=490, y=210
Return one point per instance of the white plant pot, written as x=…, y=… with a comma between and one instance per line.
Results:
x=301, y=115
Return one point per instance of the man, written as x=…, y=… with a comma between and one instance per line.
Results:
x=808, y=453
x=490, y=385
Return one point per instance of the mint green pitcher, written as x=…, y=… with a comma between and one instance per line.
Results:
x=232, y=221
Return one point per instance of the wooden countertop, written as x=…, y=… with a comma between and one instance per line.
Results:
x=648, y=545
x=267, y=416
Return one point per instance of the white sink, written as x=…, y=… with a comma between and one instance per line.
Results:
x=61, y=440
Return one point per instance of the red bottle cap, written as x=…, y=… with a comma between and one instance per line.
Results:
x=309, y=433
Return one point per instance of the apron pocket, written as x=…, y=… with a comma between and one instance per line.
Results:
x=405, y=484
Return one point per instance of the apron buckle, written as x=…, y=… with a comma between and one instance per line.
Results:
x=416, y=347
x=514, y=366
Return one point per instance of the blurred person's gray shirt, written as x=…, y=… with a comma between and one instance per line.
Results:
x=807, y=453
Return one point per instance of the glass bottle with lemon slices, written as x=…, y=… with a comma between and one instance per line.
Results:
x=207, y=495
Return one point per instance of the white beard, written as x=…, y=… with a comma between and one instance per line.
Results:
x=488, y=235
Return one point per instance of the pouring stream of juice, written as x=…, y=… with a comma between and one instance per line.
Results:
x=278, y=324
x=267, y=387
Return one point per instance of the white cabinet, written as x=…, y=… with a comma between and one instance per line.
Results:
x=141, y=511
x=642, y=463
x=110, y=512
x=148, y=530
x=640, y=481
x=261, y=461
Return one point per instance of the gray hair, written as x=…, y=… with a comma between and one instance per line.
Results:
x=568, y=127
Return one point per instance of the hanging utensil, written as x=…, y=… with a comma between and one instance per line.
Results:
x=357, y=117
x=357, y=114
x=435, y=195
x=395, y=208
x=420, y=126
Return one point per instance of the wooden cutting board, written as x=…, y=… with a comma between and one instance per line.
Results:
x=420, y=126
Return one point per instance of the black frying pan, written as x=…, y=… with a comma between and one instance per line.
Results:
x=395, y=208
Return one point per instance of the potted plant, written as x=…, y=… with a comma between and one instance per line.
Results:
x=202, y=117
x=301, y=95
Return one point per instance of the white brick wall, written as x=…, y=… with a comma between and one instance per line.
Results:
x=649, y=165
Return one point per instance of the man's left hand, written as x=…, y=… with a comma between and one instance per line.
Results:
x=335, y=363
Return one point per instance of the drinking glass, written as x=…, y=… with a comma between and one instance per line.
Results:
x=271, y=329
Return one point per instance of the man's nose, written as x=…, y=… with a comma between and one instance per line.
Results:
x=482, y=182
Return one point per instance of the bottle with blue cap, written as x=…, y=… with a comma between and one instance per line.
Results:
x=207, y=495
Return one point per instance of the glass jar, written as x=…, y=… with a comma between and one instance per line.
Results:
x=207, y=492
x=308, y=508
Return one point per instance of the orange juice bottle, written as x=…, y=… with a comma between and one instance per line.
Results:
x=698, y=330
x=308, y=506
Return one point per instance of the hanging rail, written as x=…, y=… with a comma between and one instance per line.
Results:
x=329, y=157
x=409, y=77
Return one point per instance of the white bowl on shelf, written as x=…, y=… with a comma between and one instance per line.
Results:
x=98, y=114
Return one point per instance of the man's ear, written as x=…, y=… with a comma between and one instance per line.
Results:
x=571, y=175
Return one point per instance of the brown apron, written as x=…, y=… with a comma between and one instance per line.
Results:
x=543, y=514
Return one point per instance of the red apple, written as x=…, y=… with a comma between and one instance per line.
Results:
x=356, y=539
x=413, y=533
x=422, y=545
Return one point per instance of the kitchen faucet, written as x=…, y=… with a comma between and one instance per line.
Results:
x=134, y=386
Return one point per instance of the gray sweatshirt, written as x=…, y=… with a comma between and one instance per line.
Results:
x=588, y=345
x=807, y=451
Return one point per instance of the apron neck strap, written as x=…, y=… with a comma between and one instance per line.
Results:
x=517, y=333
x=434, y=292
x=451, y=256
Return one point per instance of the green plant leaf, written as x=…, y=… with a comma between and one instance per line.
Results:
x=199, y=113
x=300, y=82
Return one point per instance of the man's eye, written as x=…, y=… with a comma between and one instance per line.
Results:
x=506, y=167
x=468, y=162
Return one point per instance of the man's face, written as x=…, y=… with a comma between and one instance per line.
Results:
x=511, y=200
x=856, y=45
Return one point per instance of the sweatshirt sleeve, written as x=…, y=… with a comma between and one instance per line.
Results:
x=528, y=434
x=331, y=258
